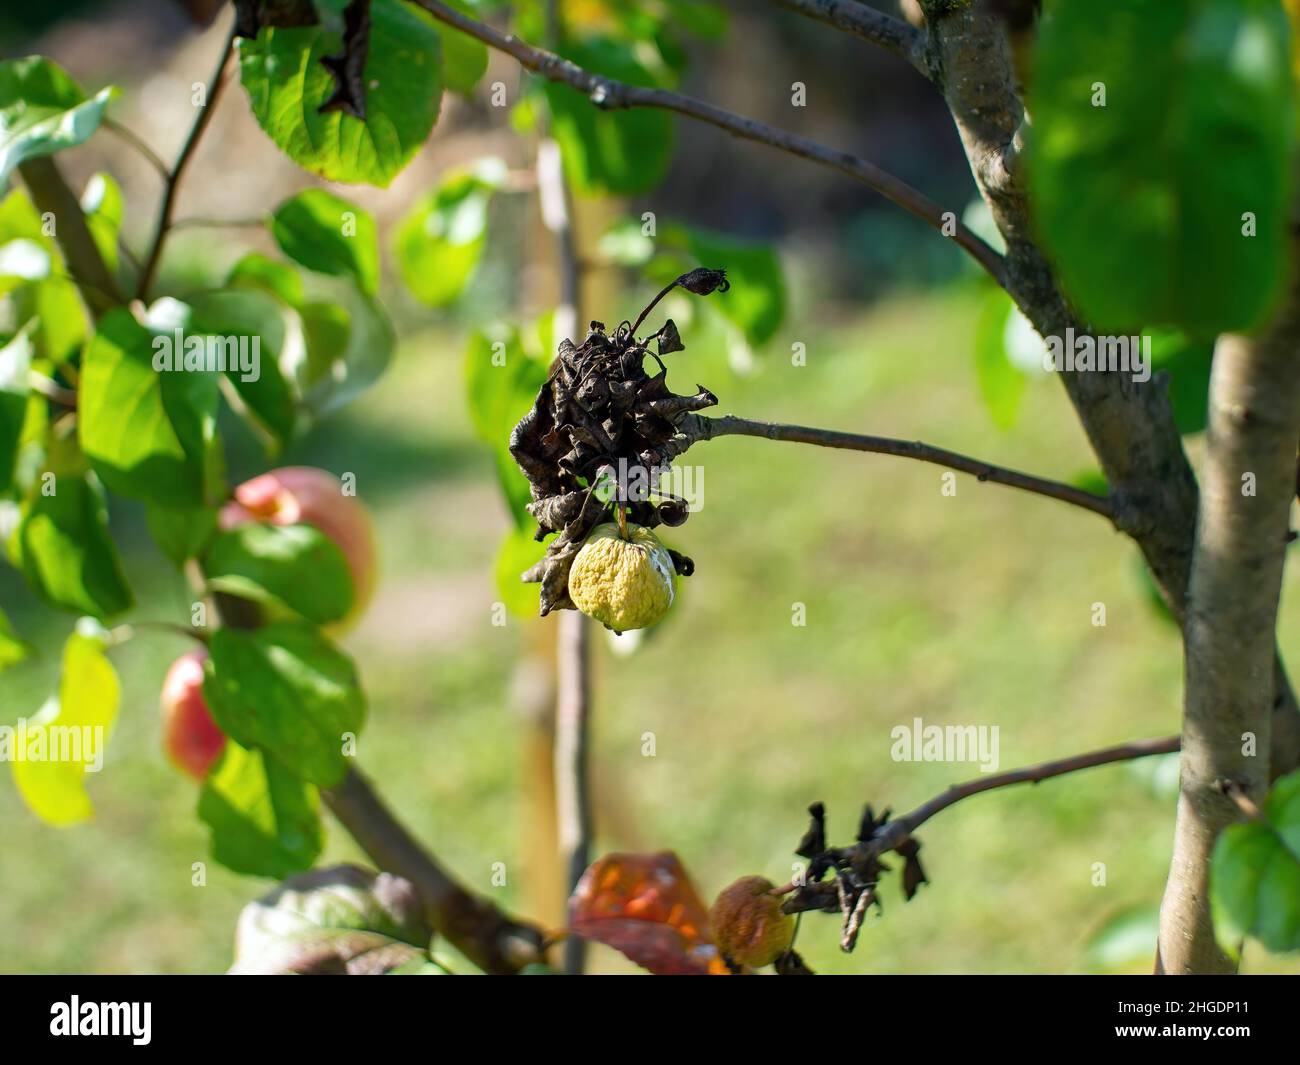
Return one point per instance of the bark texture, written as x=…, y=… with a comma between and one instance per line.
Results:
x=1241, y=539
x=1129, y=424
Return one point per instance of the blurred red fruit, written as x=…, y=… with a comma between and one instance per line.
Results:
x=311, y=496
x=191, y=738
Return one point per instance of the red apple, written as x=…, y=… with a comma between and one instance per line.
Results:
x=191, y=738
x=294, y=494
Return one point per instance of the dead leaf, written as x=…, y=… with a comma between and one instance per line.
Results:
x=645, y=907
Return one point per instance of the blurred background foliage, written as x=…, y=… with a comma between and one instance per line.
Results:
x=968, y=609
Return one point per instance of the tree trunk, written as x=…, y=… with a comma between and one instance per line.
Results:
x=1241, y=539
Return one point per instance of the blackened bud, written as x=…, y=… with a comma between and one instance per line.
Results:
x=702, y=281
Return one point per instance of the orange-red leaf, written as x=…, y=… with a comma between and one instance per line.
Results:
x=645, y=907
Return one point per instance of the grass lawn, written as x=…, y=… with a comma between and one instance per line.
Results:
x=968, y=609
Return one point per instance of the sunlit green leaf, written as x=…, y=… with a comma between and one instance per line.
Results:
x=464, y=58
x=286, y=690
x=623, y=151
x=253, y=325
x=755, y=303
x=279, y=279
x=13, y=649
x=286, y=83
x=328, y=234
x=15, y=369
x=518, y=553
x=1255, y=874
x=1169, y=203
x=502, y=382
x=42, y=110
x=296, y=567
x=148, y=428
x=264, y=821
x=65, y=550
x=66, y=740
x=101, y=203
x=180, y=532
x=1002, y=385
x=441, y=240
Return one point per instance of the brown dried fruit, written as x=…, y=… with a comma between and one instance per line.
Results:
x=748, y=925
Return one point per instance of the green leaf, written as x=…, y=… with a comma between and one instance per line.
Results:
x=21, y=261
x=1255, y=874
x=440, y=242
x=13, y=649
x=755, y=303
x=256, y=271
x=255, y=324
x=286, y=84
x=329, y=235
x=39, y=274
x=264, y=821
x=464, y=58
x=15, y=369
x=626, y=243
x=1126, y=938
x=149, y=433
x=1141, y=201
x=42, y=110
x=1187, y=363
x=336, y=367
x=295, y=567
x=66, y=552
x=502, y=383
x=286, y=690
x=66, y=740
x=1002, y=384
x=518, y=553
x=624, y=151
x=180, y=532
x=101, y=203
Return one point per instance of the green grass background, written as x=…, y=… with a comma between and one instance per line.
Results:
x=971, y=609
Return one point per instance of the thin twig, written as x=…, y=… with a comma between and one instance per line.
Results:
x=1237, y=793
x=866, y=23
x=198, y=222
x=129, y=629
x=177, y=172
x=695, y=428
x=52, y=390
x=609, y=94
x=895, y=833
x=139, y=144
x=572, y=751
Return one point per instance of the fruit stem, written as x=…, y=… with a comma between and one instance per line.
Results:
x=622, y=521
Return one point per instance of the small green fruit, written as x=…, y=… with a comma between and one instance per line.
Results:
x=622, y=583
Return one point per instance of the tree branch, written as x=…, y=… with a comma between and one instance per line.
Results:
x=139, y=144
x=1033, y=774
x=866, y=23
x=177, y=172
x=695, y=427
x=1248, y=485
x=489, y=938
x=1129, y=424
x=572, y=745
x=51, y=194
x=896, y=832
x=609, y=94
